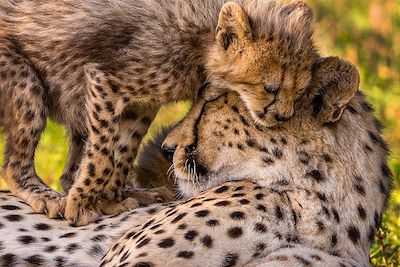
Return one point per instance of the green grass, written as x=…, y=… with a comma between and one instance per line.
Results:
x=50, y=156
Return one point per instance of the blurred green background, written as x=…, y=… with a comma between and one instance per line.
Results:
x=366, y=32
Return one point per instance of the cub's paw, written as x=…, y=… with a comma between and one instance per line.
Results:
x=146, y=196
x=79, y=212
x=45, y=201
x=114, y=208
x=112, y=192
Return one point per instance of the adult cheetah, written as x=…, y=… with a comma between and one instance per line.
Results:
x=102, y=68
x=304, y=193
x=319, y=194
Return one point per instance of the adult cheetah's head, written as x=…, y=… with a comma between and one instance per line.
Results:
x=264, y=51
x=218, y=141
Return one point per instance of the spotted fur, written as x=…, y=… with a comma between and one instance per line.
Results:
x=305, y=193
x=30, y=239
x=323, y=186
x=103, y=68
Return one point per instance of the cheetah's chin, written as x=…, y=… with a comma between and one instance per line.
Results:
x=189, y=185
x=188, y=188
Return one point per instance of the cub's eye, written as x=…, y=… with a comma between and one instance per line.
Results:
x=271, y=89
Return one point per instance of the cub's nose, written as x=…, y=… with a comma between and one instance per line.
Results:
x=281, y=118
x=168, y=152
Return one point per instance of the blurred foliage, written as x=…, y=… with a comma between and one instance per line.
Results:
x=367, y=33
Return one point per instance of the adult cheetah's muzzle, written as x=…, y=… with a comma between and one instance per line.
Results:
x=195, y=166
x=192, y=164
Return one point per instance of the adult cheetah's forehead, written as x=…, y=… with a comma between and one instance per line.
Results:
x=227, y=100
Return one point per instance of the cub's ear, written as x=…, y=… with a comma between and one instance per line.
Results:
x=338, y=82
x=233, y=26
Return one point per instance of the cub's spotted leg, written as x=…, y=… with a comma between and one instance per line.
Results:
x=133, y=125
x=24, y=118
x=104, y=107
x=76, y=143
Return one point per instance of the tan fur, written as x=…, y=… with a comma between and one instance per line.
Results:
x=103, y=68
x=324, y=183
x=269, y=76
x=310, y=193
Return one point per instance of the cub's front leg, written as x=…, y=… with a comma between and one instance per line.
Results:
x=133, y=125
x=95, y=185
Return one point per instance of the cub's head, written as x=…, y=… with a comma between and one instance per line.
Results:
x=218, y=140
x=263, y=50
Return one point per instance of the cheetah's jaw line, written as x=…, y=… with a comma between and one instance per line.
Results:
x=188, y=188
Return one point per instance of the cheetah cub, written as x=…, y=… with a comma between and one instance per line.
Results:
x=103, y=68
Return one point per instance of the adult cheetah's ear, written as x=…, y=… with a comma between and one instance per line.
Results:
x=338, y=82
x=233, y=26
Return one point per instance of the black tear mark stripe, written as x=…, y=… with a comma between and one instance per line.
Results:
x=197, y=122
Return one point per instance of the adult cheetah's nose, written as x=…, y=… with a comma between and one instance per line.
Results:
x=168, y=152
x=281, y=118
x=190, y=149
